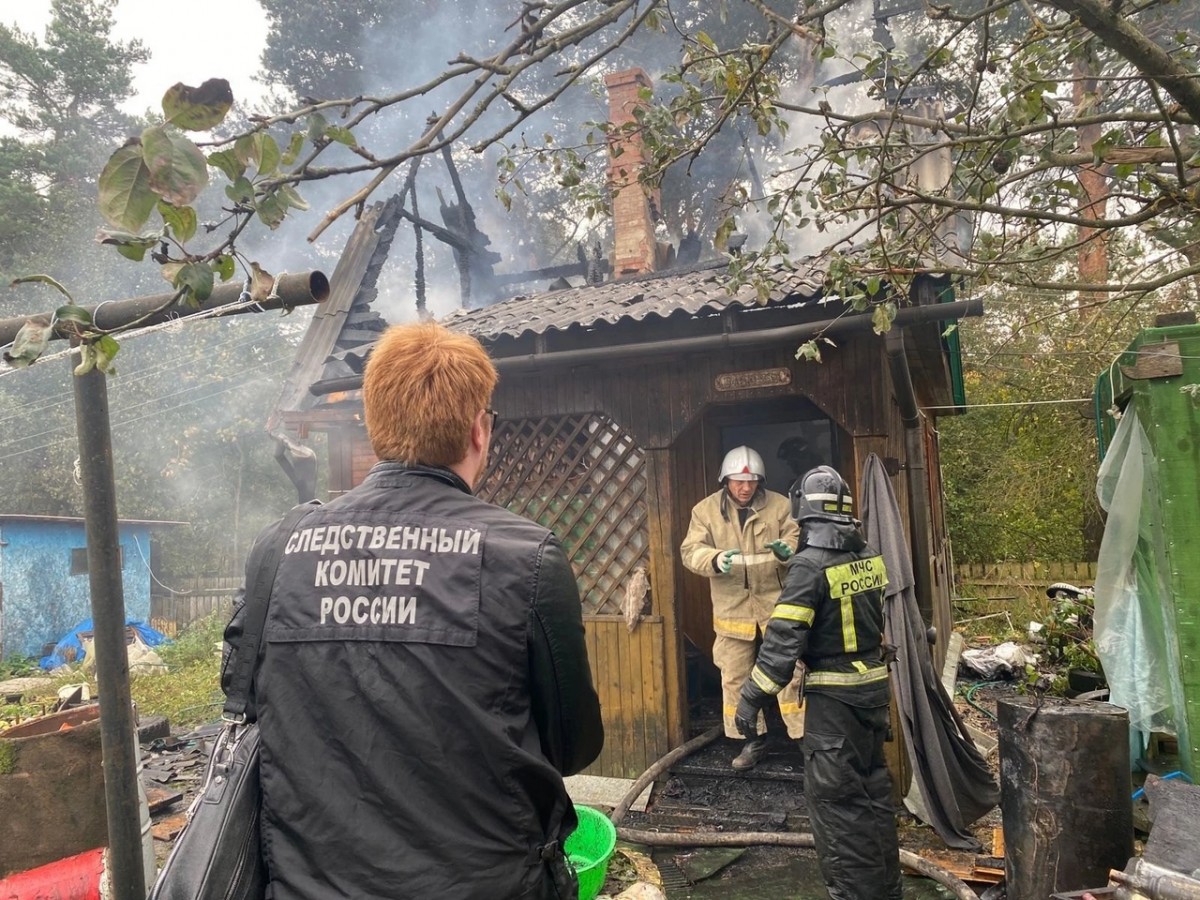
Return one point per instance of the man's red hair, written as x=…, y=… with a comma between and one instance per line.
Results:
x=423, y=387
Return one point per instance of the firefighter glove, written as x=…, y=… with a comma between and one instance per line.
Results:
x=725, y=561
x=781, y=550
x=745, y=720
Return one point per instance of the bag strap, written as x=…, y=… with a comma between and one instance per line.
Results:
x=264, y=564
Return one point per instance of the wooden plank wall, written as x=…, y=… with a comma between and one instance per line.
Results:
x=664, y=538
x=205, y=596
x=1039, y=574
x=629, y=672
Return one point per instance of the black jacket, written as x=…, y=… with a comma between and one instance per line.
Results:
x=830, y=615
x=422, y=690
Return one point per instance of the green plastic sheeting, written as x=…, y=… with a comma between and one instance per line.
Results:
x=1149, y=602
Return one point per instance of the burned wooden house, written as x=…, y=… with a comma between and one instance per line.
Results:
x=617, y=402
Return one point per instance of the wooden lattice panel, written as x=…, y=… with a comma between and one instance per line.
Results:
x=584, y=478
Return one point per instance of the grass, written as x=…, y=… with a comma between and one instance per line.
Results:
x=188, y=694
x=996, y=613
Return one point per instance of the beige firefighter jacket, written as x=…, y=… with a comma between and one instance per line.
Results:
x=743, y=599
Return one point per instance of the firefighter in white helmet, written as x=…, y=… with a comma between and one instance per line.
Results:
x=740, y=538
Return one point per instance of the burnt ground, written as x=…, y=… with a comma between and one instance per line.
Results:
x=702, y=793
x=173, y=768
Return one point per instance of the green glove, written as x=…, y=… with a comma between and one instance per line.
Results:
x=781, y=550
x=725, y=561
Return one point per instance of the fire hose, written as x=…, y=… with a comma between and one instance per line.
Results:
x=910, y=860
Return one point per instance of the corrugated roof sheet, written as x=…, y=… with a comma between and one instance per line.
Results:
x=700, y=290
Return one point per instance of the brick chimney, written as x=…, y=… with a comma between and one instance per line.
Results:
x=635, y=250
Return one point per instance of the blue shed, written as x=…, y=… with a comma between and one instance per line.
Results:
x=44, y=588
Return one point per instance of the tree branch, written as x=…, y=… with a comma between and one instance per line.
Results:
x=1123, y=36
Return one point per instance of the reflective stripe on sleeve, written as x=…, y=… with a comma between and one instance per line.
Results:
x=766, y=684
x=793, y=613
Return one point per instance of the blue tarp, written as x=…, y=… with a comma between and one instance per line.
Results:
x=70, y=649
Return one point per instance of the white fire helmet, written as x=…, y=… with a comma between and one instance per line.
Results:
x=742, y=464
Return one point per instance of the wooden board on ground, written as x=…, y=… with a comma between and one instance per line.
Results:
x=159, y=799
x=964, y=866
x=168, y=829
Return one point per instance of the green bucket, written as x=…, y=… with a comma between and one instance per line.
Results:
x=589, y=848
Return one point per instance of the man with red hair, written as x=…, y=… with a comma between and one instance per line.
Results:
x=423, y=686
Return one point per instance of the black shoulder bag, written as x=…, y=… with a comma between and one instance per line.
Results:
x=218, y=853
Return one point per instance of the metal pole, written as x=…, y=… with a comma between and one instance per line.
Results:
x=291, y=290
x=117, y=730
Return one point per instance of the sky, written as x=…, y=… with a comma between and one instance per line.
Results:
x=180, y=50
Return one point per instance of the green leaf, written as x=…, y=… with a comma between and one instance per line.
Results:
x=43, y=279
x=809, y=351
x=130, y=246
x=135, y=252
x=289, y=195
x=178, y=170
x=881, y=318
x=76, y=315
x=341, y=135
x=180, y=219
x=125, y=197
x=241, y=191
x=258, y=150
x=269, y=155
x=198, y=108
x=317, y=124
x=224, y=267
x=31, y=342
x=228, y=162
x=197, y=278
x=106, y=348
x=87, y=360
x=295, y=145
x=271, y=210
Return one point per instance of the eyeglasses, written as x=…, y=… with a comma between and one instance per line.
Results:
x=495, y=415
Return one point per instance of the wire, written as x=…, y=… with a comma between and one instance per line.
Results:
x=142, y=375
x=1013, y=403
x=56, y=397
x=122, y=422
x=63, y=429
x=154, y=577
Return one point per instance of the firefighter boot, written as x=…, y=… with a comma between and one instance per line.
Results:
x=752, y=754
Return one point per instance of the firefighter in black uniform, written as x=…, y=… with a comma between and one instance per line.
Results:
x=830, y=617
